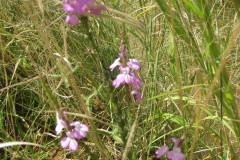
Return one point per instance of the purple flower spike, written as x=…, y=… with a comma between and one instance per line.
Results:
x=161, y=151
x=127, y=72
x=77, y=8
x=69, y=142
x=80, y=130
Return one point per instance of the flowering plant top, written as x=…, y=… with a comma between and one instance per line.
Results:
x=74, y=130
x=76, y=8
x=174, y=154
x=127, y=73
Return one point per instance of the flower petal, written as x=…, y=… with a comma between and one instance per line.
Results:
x=138, y=95
x=176, y=154
x=58, y=129
x=80, y=130
x=134, y=64
x=68, y=8
x=119, y=80
x=84, y=127
x=128, y=79
x=176, y=142
x=79, y=134
x=73, y=145
x=60, y=124
x=161, y=151
x=115, y=64
x=65, y=142
x=72, y=19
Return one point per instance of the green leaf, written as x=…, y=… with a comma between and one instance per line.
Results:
x=193, y=6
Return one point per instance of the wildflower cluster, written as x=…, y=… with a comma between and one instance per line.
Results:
x=77, y=8
x=127, y=73
x=75, y=130
x=175, y=154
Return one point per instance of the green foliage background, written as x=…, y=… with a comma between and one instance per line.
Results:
x=189, y=52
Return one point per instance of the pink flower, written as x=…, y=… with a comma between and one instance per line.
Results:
x=80, y=8
x=69, y=142
x=69, y=7
x=137, y=82
x=72, y=19
x=120, y=79
x=161, y=151
x=123, y=78
x=127, y=72
x=175, y=154
x=134, y=64
x=60, y=124
x=75, y=130
x=80, y=130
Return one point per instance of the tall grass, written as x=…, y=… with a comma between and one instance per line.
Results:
x=189, y=52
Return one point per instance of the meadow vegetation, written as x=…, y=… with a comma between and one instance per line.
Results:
x=190, y=69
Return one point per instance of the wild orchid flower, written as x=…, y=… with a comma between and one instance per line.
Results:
x=123, y=78
x=80, y=130
x=134, y=64
x=69, y=142
x=74, y=130
x=161, y=151
x=127, y=73
x=175, y=154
